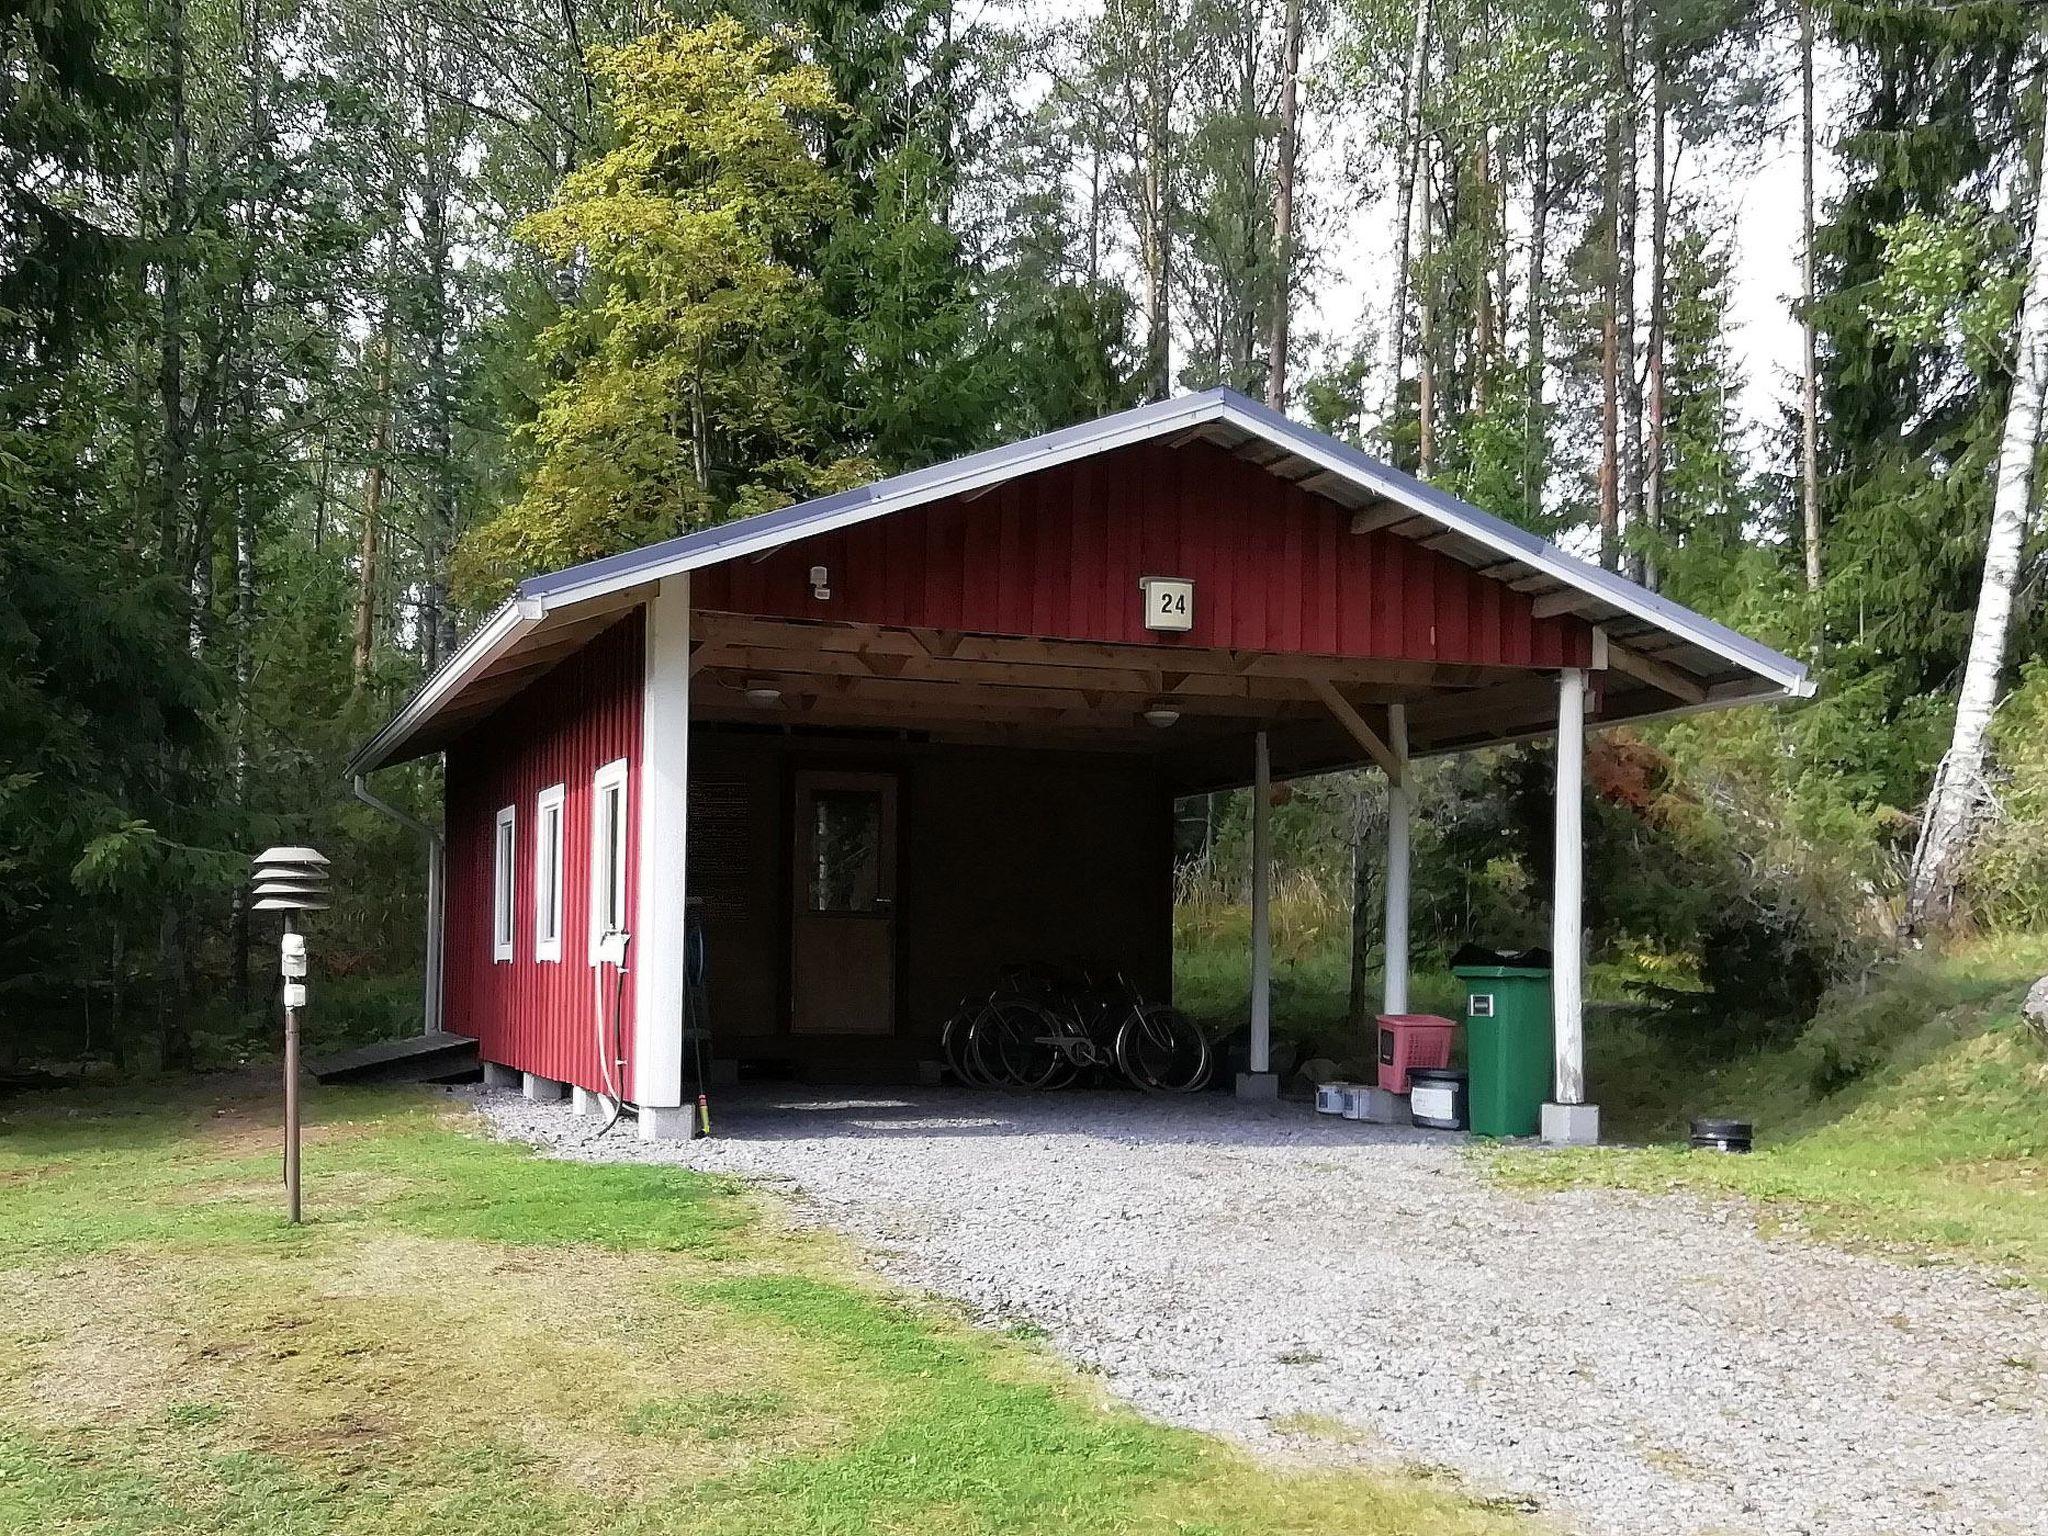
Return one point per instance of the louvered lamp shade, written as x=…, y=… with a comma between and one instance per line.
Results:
x=290, y=880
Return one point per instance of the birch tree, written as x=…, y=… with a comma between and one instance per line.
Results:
x=1407, y=157
x=1958, y=795
x=1283, y=210
x=1809, y=381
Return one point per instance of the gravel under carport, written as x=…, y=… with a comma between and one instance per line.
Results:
x=1622, y=1363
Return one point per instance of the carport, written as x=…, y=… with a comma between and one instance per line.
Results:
x=897, y=733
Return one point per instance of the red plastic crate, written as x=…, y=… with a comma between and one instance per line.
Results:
x=1411, y=1040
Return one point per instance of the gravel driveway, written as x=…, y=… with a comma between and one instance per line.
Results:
x=1622, y=1363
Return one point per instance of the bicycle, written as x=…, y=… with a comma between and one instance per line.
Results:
x=1042, y=1028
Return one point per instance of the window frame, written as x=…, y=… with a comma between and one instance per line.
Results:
x=605, y=829
x=505, y=885
x=548, y=842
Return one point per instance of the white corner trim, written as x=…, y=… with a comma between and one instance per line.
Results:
x=549, y=841
x=659, y=919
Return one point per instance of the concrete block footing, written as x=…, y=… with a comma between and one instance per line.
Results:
x=1258, y=1087
x=583, y=1101
x=668, y=1122
x=1571, y=1125
x=1379, y=1106
x=542, y=1090
x=496, y=1076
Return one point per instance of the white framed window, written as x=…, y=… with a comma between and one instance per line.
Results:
x=608, y=824
x=547, y=874
x=504, y=884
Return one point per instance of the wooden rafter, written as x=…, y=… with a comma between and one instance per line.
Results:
x=1658, y=674
x=1360, y=732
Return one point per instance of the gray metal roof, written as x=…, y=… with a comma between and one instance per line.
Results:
x=1727, y=666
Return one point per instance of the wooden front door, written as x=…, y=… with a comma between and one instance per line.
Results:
x=843, y=931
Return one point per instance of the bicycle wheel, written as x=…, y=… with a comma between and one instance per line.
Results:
x=1009, y=1041
x=955, y=1045
x=1162, y=1050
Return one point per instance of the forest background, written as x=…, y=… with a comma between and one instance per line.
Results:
x=321, y=320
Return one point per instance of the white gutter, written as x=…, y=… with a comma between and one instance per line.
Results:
x=499, y=633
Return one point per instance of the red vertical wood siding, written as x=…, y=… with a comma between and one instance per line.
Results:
x=1058, y=555
x=526, y=1013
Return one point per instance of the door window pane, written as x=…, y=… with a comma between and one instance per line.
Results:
x=846, y=850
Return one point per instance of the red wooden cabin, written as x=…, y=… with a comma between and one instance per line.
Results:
x=896, y=737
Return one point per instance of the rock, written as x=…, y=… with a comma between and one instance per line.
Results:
x=2034, y=1011
x=1317, y=1070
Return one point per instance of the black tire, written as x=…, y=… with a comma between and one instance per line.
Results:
x=1007, y=1041
x=956, y=1045
x=1162, y=1050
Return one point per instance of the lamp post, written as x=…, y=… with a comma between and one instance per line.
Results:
x=291, y=881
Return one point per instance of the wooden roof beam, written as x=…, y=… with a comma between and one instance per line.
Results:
x=1570, y=600
x=1360, y=732
x=1658, y=674
x=1381, y=514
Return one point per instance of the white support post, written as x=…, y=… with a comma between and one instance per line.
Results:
x=1394, y=976
x=1259, y=1082
x=656, y=954
x=1568, y=1118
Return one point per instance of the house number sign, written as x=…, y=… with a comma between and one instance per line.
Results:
x=1169, y=602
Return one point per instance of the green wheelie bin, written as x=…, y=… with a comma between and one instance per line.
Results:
x=1508, y=1038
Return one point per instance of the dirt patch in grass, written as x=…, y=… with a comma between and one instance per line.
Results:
x=382, y=1349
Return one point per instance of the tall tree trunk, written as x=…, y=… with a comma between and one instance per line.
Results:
x=1534, y=457
x=1156, y=237
x=1625, y=295
x=1809, y=378
x=1407, y=152
x=437, y=620
x=1958, y=793
x=1483, y=337
x=1364, y=902
x=1283, y=213
x=1610, y=269
x=1426, y=337
x=367, y=558
x=173, y=454
x=1660, y=225
x=256, y=214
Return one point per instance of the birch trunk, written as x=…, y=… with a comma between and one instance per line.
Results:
x=1958, y=793
x=1809, y=381
x=1533, y=456
x=1660, y=225
x=1631, y=490
x=1283, y=214
x=1610, y=381
x=1407, y=151
x=1426, y=340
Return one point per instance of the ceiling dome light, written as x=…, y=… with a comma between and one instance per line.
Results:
x=1161, y=716
x=763, y=694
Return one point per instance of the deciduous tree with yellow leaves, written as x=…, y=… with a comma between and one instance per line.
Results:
x=675, y=400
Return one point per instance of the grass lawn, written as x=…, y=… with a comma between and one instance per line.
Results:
x=1911, y=1115
x=468, y=1339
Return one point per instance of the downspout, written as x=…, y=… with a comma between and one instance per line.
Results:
x=437, y=871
